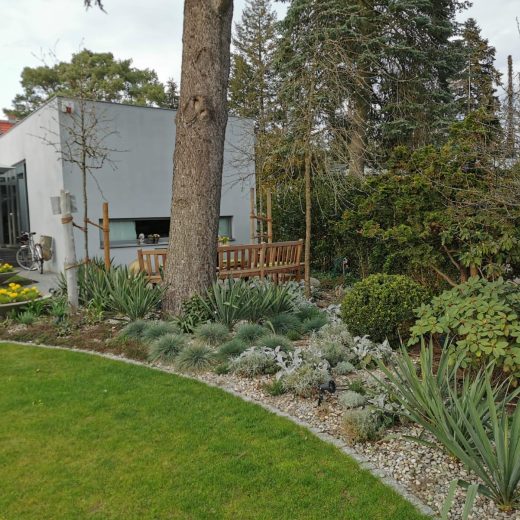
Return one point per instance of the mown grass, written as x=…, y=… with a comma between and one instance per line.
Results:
x=85, y=437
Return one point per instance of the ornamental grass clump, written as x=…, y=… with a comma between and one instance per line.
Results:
x=272, y=341
x=283, y=323
x=134, y=329
x=196, y=358
x=249, y=333
x=212, y=334
x=313, y=324
x=156, y=329
x=167, y=347
x=232, y=348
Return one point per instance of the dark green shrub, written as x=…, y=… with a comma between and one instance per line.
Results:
x=212, y=333
x=382, y=306
x=232, y=348
x=195, y=358
x=167, y=347
x=250, y=332
x=483, y=319
x=283, y=323
x=274, y=340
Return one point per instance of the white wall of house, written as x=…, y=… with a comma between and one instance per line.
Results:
x=138, y=183
x=44, y=169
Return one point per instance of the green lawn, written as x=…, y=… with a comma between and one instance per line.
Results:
x=85, y=437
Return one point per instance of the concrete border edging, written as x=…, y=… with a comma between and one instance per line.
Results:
x=361, y=460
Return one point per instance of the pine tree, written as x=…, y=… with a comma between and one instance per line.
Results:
x=475, y=85
x=251, y=85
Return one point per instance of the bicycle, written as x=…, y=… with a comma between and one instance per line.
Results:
x=30, y=255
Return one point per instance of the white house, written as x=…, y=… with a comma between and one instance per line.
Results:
x=136, y=184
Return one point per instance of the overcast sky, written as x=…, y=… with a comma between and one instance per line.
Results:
x=149, y=32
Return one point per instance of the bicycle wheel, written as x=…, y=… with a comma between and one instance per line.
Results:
x=25, y=258
x=38, y=251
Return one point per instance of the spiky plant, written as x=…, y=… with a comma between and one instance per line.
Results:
x=155, y=329
x=283, y=323
x=275, y=340
x=314, y=323
x=250, y=332
x=167, y=347
x=308, y=312
x=196, y=358
x=232, y=348
x=213, y=334
x=134, y=329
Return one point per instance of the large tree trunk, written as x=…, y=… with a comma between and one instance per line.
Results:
x=199, y=149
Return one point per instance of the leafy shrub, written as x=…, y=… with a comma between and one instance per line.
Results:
x=273, y=341
x=365, y=353
x=195, y=358
x=254, y=361
x=134, y=329
x=250, y=332
x=283, y=323
x=167, y=347
x=361, y=425
x=59, y=308
x=381, y=306
x=315, y=323
x=483, y=318
x=212, y=333
x=344, y=368
x=350, y=399
x=193, y=312
x=155, y=329
x=275, y=388
x=232, y=348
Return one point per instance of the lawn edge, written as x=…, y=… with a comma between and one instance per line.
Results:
x=361, y=460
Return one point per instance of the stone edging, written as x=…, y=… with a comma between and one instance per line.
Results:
x=362, y=461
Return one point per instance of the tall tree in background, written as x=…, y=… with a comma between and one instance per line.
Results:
x=475, y=85
x=199, y=150
x=510, y=110
x=252, y=86
x=107, y=79
x=172, y=95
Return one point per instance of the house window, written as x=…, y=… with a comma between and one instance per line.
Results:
x=225, y=227
x=125, y=232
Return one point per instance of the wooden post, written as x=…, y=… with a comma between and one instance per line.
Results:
x=71, y=265
x=269, y=218
x=252, y=215
x=106, y=235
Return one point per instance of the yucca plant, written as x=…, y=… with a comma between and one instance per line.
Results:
x=226, y=301
x=468, y=417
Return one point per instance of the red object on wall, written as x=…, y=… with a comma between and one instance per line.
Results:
x=5, y=126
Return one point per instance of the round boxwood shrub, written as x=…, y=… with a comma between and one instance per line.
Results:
x=382, y=306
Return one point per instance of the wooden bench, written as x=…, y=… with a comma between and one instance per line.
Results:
x=152, y=262
x=278, y=261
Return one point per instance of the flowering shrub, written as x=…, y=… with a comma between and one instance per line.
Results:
x=5, y=268
x=15, y=293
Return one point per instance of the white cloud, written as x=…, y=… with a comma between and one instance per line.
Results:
x=150, y=33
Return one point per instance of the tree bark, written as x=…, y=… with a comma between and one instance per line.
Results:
x=199, y=150
x=308, y=224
